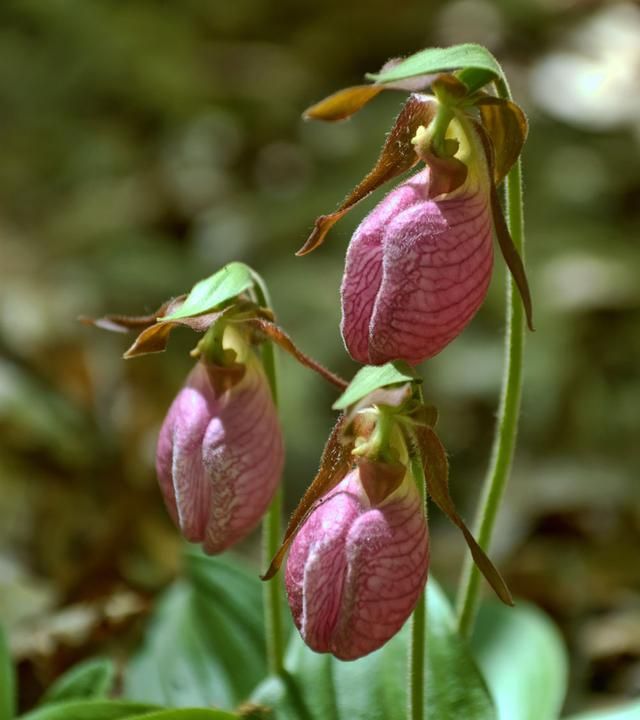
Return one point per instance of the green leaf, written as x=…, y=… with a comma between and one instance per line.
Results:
x=189, y=714
x=7, y=680
x=372, y=377
x=205, y=645
x=91, y=710
x=230, y=281
x=374, y=687
x=90, y=679
x=478, y=64
x=523, y=659
x=621, y=712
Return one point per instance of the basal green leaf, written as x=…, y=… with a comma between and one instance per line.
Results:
x=319, y=687
x=90, y=679
x=188, y=714
x=7, y=680
x=630, y=711
x=232, y=280
x=435, y=60
x=90, y=710
x=205, y=645
x=523, y=659
x=372, y=377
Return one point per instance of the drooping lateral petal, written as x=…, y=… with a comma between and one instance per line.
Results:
x=509, y=251
x=436, y=468
x=334, y=464
x=397, y=156
x=266, y=329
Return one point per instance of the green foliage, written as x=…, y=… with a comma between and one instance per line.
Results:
x=625, y=712
x=523, y=660
x=189, y=714
x=90, y=710
x=479, y=65
x=372, y=377
x=319, y=687
x=7, y=680
x=90, y=679
x=205, y=645
x=206, y=295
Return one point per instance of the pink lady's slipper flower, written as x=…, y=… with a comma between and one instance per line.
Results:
x=418, y=267
x=357, y=565
x=220, y=454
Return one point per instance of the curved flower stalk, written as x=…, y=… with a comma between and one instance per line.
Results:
x=220, y=451
x=357, y=566
x=418, y=267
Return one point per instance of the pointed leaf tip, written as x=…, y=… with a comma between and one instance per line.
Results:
x=372, y=377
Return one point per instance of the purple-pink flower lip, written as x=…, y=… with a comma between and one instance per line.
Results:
x=417, y=271
x=356, y=568
x=220, y=455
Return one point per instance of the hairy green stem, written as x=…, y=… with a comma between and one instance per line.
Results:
x=416, y=694
x=271, y=525
x=507, y=423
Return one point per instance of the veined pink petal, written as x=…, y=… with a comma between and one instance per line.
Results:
x=244, y=451
x=363, y=269
x=433, y=268
x=220, y=457
x=355, y=571
x=185, y=486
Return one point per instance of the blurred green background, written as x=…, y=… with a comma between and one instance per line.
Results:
x=145, y=144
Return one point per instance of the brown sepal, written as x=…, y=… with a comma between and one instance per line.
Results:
x=507, y=126
x=342, y=104
x=397, y=156
x=124, y=323
x=335, y=463
x=279, y=336
x=380, y=479
x=436, y=468
x=154, y=339
x=155, y=333
x=505, y=241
